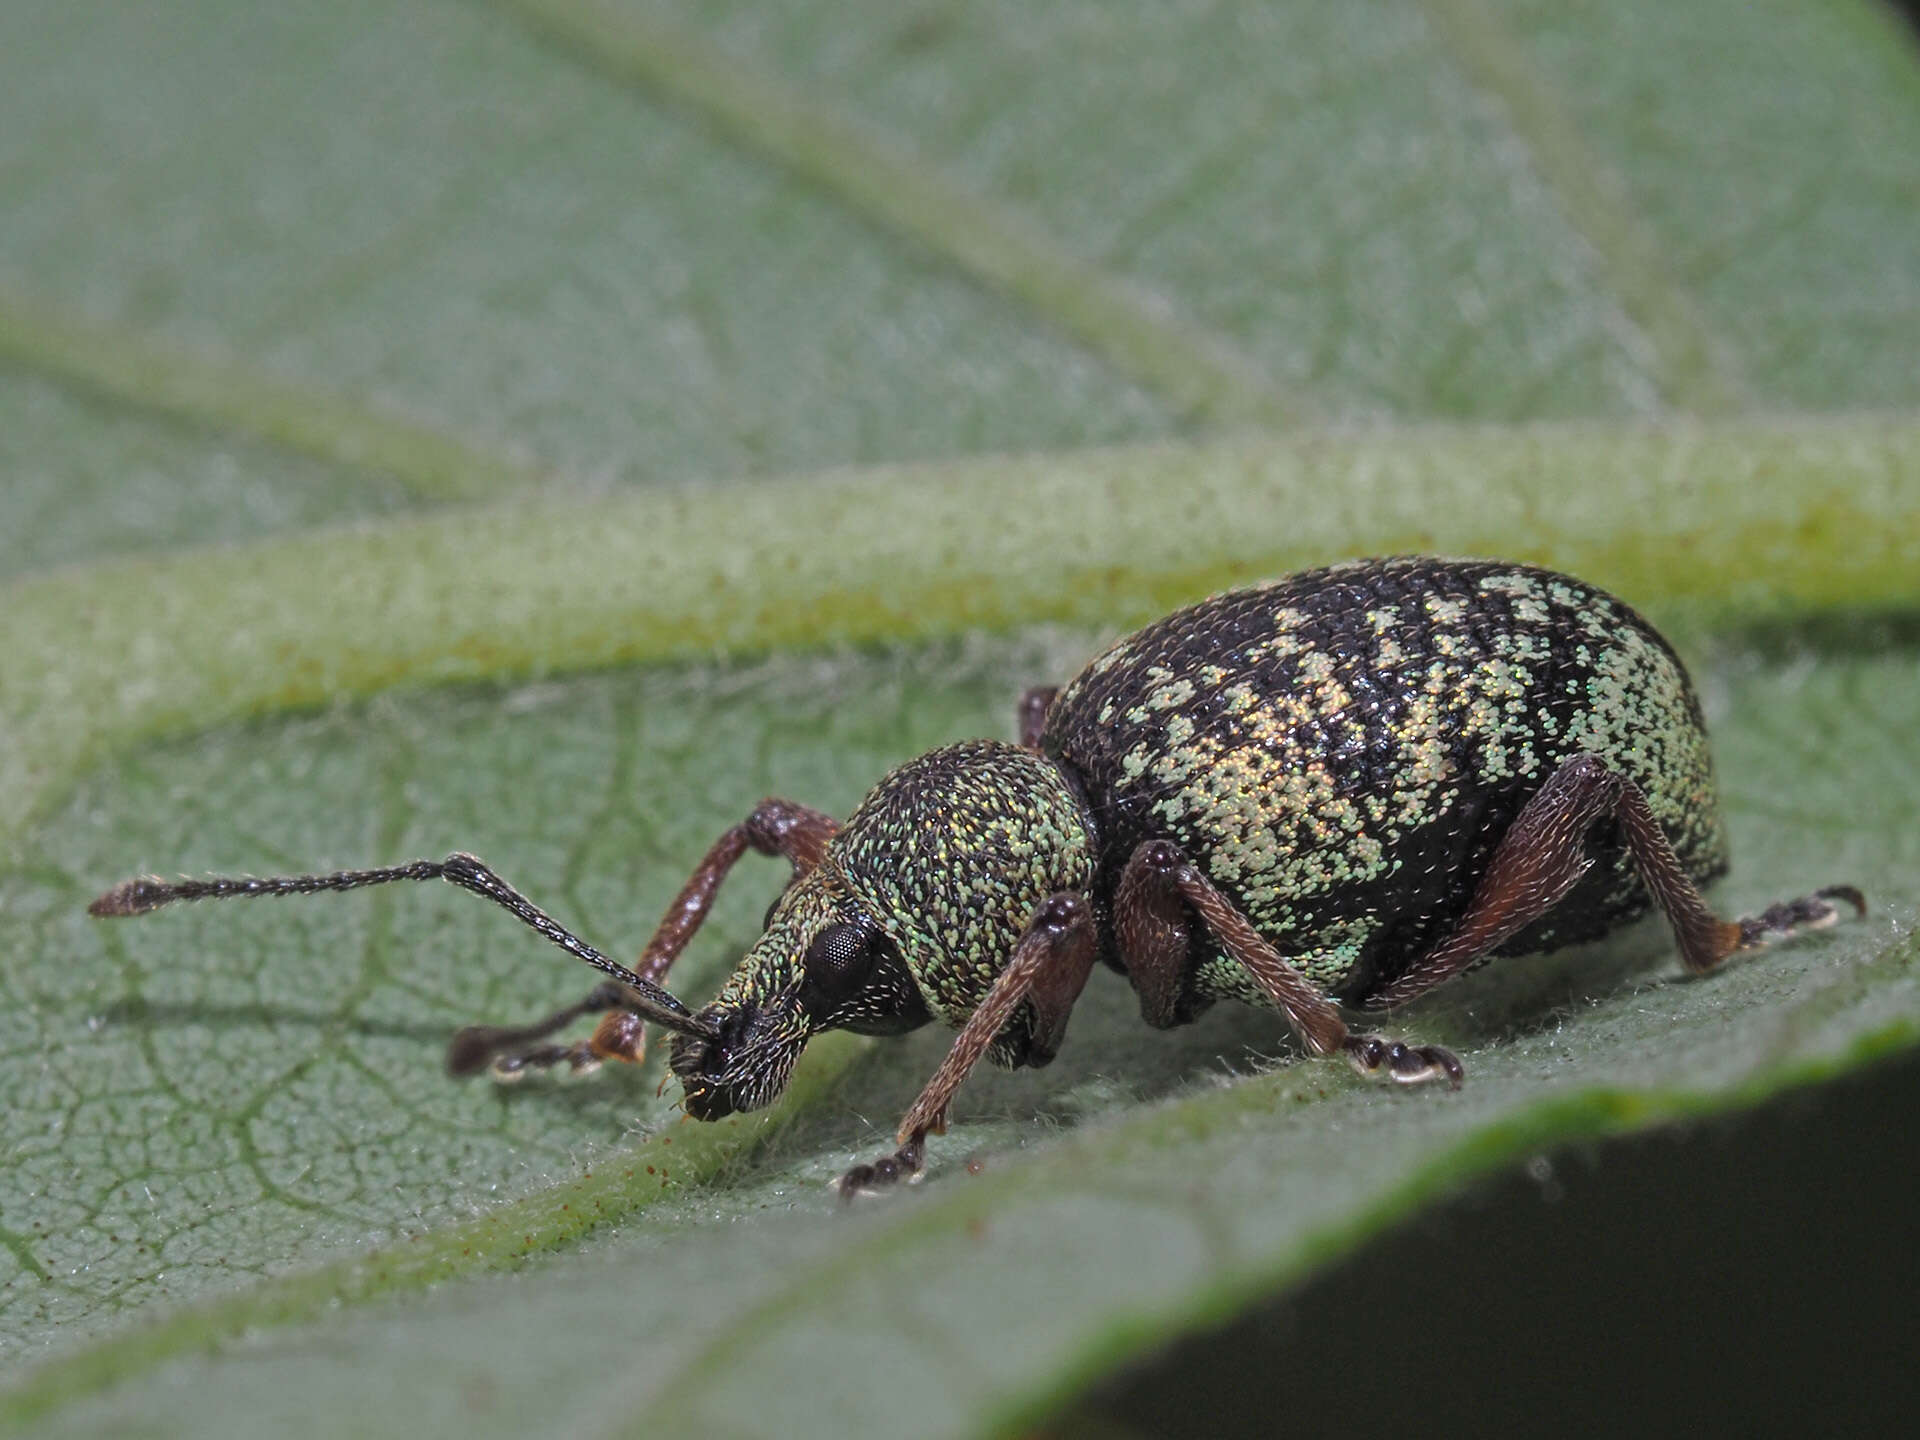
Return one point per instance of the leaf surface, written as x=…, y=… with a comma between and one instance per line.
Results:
x=613, y=263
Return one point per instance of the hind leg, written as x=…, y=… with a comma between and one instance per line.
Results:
x=1543, y=855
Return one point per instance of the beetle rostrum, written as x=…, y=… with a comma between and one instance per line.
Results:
x=1323, y=794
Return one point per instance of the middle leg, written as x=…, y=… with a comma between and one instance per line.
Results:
x=1158, y=890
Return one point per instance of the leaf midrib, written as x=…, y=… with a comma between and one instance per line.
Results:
x=1756, y=520
x=1212, y=374
x=1162, y=544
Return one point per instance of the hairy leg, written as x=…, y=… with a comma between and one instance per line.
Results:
x=1543, y=855
x=1160, y=888
x=1049, y=967
x=775, y=827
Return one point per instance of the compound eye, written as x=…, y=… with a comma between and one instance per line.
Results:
x=837, y=965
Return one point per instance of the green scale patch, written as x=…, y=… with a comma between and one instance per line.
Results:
x=1342, y=750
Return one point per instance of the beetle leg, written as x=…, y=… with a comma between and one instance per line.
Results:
x=1049, y=967
x=775, y=827
x=1155, y=889
x=512, y=1051
x=1054, y=992
x=1034, y=704
x=1157, y=878
x=1404, y=1064
x=1150, y=921
x=1543, y=855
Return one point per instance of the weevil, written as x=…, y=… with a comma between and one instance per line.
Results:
x=1325, y=794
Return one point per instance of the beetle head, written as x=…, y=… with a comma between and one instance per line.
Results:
x=822, y=964
x=916, y=907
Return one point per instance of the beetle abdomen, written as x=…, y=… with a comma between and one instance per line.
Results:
x=1342, y=750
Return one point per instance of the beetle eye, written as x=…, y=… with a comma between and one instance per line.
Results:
x=837, y=964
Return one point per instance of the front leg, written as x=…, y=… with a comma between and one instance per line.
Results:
x=1049, y=968
x=1157, y=892
x=775, y=827
x=637, y=997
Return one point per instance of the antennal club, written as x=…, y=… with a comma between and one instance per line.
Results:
x=469, y=872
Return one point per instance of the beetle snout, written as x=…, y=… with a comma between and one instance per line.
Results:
x=701, y=1064
x=743, y=1067
x=707, y=1101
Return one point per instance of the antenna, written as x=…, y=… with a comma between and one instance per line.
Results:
x=469, y=872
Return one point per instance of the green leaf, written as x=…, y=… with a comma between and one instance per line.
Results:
x=287, y=1112
x=267, y=270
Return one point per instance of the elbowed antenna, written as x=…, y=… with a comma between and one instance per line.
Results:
x=469, y=872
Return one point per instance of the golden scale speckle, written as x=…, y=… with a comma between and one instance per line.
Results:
x=1340, y=768
x=1365, y=717
x=956, y=905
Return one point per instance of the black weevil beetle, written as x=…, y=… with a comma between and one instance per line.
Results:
x=1337, y=789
